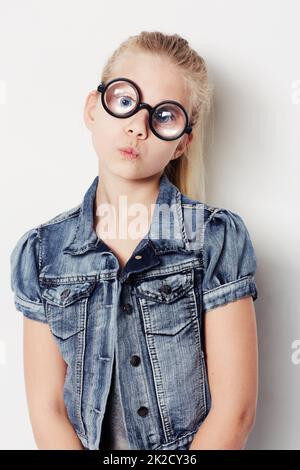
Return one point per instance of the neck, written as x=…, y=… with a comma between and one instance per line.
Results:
x=119, y=194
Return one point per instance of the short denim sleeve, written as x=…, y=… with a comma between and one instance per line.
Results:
x=24, y=262
x=229, y=260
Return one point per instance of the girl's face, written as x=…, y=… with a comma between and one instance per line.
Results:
x=158, y=80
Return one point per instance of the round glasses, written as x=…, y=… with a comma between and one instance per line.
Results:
x=121, y=98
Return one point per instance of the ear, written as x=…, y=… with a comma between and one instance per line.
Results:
x=89, y=109
x=183, y=145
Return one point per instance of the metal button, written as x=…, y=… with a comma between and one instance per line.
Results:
x=65, y=293
x=138, y=256
x=127, y=308
x=166, y=289
x=143, y=411
x=135, y=360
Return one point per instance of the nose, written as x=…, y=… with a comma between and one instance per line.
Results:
x=138, y=123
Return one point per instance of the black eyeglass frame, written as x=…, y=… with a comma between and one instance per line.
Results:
x=102, y=88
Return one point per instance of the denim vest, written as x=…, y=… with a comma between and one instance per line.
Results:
x=147, y=316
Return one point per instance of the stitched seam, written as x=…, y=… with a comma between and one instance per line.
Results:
x=180, y=217
x=228, y=284
x=193, y=206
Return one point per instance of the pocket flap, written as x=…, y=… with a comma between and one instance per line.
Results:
x=166, y=288
x=65, y=294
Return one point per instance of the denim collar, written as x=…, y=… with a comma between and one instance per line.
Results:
x=169, y=197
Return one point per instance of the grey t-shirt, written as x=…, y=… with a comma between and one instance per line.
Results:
x=113, y=431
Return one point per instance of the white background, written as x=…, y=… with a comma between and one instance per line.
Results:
x=51, y=56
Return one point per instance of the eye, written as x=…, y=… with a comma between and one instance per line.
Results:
x=164, y=116
x=124, y=101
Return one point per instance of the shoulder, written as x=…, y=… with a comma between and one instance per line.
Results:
x=212, y=215
x=28, y=245
x=62, y=217
x=229, y=258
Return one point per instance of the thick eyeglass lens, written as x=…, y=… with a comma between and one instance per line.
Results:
x=168, y=120
x=122, y=99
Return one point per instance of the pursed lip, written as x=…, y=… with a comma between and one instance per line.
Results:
x=130, y=150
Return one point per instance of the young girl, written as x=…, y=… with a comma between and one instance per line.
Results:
x=144, y=334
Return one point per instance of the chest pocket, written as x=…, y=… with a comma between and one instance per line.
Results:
x=167, y=302
x=66, y=307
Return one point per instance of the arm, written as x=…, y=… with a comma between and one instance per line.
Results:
x=232, y=366
x=44, y=370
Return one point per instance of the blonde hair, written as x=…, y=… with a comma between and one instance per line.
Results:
x=187, y=172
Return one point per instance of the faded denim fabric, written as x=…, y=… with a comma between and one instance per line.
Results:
x=148, y=315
